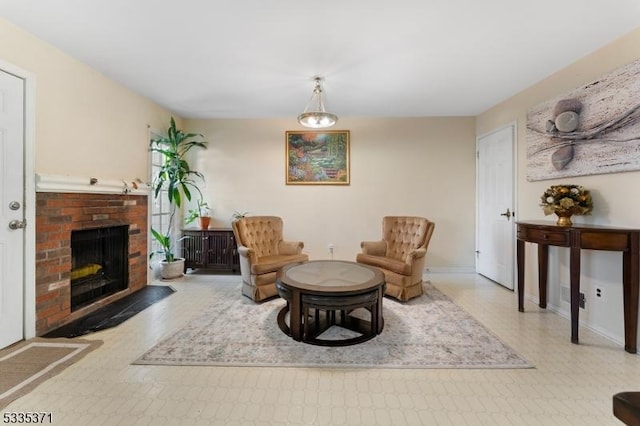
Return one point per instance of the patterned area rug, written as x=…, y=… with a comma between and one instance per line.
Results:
x=427, y=332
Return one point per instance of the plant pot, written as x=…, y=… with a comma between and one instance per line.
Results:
x=171, y=270
x=204, y=222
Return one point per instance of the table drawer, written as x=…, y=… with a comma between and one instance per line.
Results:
x=542, y=236
x=604, y=241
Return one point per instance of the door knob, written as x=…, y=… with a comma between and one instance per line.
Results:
x=17, y=224
x=507, y=214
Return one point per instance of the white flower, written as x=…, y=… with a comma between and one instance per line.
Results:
x=550, y=200
x=575, y=190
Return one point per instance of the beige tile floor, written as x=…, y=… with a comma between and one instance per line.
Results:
x=571, y=384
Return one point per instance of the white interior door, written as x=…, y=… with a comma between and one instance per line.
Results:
x=495, y=216
x=11, y=209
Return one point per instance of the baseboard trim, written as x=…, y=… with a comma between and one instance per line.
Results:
x=567, y=315
x=449, y=270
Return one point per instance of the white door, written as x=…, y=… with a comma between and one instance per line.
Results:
x=495, y=218
x=11, y=209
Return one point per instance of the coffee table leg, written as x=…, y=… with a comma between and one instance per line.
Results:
x=305, y=322
x=282, y=323
x=295, y=316
x=374, y=319
x=379, y=313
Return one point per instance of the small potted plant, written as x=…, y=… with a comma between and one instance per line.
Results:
x=201, y=212
x=237, y=215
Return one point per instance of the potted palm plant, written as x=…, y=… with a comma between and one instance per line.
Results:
x=201, y=212
x=171, y=266
x=176, y=180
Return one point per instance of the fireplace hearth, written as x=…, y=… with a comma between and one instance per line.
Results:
x=99, y=266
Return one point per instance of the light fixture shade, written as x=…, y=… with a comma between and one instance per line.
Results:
x=314, y=114
x=317, y=120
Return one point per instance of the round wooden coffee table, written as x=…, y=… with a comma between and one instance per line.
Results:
x=324, y=293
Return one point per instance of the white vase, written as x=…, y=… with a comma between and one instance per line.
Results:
x=171, y=270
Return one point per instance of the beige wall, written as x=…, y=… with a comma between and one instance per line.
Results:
x=614, y=195
x=403, y=166
x=86, y=124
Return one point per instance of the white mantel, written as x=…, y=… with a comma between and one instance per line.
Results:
x=92, y=185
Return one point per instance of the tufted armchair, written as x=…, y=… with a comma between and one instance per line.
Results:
x=401, y=254
x=262, y=252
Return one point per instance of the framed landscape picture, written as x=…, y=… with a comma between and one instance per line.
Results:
x=317, y=157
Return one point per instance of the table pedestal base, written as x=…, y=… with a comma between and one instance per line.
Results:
x=317, y=321
x=318, y=313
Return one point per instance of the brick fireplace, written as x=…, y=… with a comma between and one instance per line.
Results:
x=57, y=215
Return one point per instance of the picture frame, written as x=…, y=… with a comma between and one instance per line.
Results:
x=317, y=157
x=604, y=136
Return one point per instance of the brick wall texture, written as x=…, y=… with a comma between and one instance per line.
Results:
x=57, y=214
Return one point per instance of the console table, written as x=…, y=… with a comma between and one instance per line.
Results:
x=577, y=237
x=214, y=249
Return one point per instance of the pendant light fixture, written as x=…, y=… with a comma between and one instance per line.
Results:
x=314, y=115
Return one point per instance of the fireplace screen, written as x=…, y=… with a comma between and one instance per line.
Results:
x=99, y=264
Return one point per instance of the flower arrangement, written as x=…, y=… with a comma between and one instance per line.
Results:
x=571, y=199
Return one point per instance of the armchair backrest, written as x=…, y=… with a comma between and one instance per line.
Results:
x=405, y=233
x=260, y=233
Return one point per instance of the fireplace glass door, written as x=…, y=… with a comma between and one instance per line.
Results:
x=99, y=264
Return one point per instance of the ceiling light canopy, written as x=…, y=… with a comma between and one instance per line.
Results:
x=314, y=115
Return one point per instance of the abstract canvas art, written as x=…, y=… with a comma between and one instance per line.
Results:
x=594, y=129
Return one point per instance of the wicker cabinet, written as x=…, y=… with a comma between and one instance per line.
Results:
x=212, y=249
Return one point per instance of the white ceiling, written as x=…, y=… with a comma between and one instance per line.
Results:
x=257, y=58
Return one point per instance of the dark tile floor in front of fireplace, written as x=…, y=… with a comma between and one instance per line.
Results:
x=114, y=313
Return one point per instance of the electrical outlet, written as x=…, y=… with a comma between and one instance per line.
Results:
x=598, y=293
x=330, y=248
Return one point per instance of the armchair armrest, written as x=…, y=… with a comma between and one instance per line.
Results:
x=248, y=253
x=290, y=247
x=415, y=254
x=375, y=248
